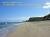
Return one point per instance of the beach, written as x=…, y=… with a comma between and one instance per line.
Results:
x=32, y=29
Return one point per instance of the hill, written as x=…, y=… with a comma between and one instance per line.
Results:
x=47, y=17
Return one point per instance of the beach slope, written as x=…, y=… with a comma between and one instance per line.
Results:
x=32, y=29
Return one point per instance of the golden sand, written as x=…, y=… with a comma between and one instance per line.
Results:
x=32, y=29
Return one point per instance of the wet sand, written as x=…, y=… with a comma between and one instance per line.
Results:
x=32, y=29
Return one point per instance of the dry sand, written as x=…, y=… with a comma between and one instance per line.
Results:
x=32, y=29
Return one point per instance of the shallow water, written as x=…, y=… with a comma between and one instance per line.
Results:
x=7, y=28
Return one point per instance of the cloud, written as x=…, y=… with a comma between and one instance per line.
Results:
x=23, y=18
x=10, y=3
x=14, y=19
x=21, y=4
x=46, y=5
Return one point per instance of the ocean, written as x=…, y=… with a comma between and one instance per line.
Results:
x=7, y=27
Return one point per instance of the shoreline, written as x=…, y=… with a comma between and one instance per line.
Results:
x=32, y=29
x=5, y=31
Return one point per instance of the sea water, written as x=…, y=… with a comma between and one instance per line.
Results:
x=6, y=28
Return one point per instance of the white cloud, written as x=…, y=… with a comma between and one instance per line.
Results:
x=21, y=4
x=23, y=18
x=46, y=5
x=15, y=19
x=10, y=3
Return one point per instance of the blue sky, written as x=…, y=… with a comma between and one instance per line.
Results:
x=22, y=10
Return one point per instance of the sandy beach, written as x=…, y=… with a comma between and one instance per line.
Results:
x=32, y=29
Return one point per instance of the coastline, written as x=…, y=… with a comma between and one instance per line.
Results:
x=32, y=29
x=12, y=28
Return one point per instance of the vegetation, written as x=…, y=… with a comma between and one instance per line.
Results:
x=47, y=17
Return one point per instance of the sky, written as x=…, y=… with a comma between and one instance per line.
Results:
x=19, y=10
